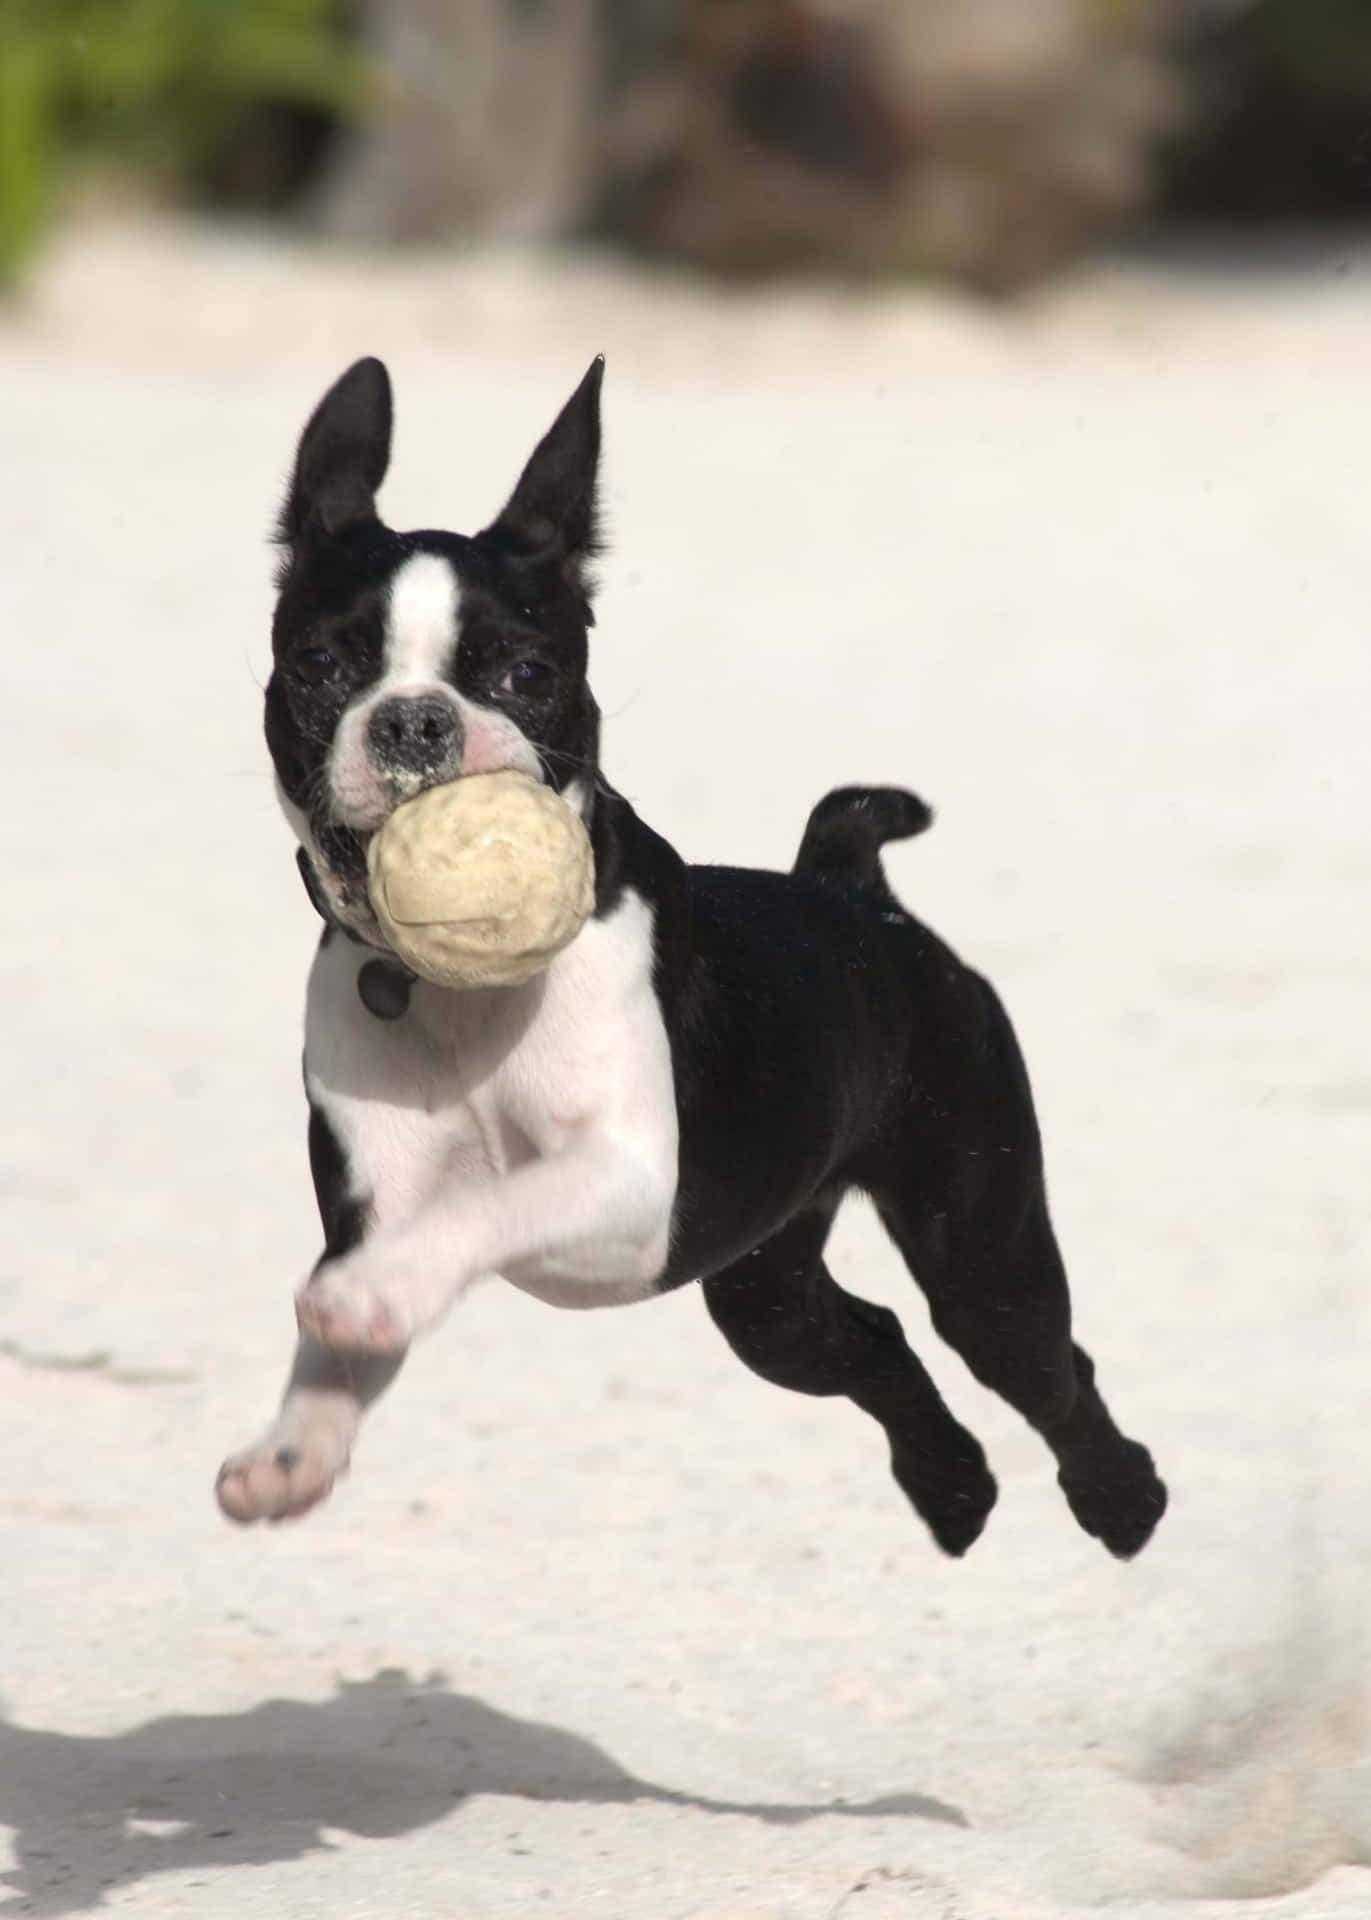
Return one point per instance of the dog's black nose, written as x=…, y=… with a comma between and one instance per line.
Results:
x=415, y=733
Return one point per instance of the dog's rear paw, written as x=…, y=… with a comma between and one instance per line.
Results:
x=278, y=1480
x=953, y=1499
x=1119, y=1503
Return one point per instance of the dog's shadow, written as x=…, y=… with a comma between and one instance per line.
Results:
x=385, y=1756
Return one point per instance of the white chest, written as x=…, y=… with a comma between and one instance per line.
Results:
x=466, y=1087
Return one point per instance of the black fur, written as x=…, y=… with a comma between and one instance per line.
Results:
x=848, y=828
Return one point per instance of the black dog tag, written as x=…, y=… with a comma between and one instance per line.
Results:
x=383, y=988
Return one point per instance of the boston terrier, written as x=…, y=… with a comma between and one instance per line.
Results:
x=689, y=1089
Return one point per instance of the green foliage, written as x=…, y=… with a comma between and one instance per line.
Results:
x=149, y=84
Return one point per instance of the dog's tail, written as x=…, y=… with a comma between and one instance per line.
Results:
x=848, y=828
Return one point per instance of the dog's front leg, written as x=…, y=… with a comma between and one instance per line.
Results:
x=292, y=1466
x=586, y=1225
x=372, y=1167
x=376, y=1153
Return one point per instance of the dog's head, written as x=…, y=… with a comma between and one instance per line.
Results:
x=404, y=659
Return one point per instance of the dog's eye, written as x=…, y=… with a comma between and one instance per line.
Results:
x=526, y=676
x=314, y=665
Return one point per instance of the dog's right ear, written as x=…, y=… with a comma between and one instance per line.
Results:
x=343, y=456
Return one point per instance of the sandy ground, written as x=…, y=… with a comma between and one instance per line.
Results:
x=600, y=1624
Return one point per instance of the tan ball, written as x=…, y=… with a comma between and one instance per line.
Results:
x=480, y=882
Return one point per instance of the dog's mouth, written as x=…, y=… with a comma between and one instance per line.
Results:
x=337, y=880
x=334, y=869
x=342, y=844
x=343, y=852
x=335, y=862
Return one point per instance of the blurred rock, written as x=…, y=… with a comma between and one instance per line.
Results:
x=986, y=139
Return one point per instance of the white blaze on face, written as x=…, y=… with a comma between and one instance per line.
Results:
x=422, y=622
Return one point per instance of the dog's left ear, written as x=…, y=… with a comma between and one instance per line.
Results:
x=552, y=514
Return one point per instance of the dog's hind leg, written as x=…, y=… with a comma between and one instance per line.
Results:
x=786, y=1318
x=967, y=1208
x=998, y=1296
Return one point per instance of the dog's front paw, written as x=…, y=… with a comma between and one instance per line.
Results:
x=340, y=1306
x=283, y=1475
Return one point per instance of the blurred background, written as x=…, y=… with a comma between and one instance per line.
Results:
x=986, y=411
x=986, y=140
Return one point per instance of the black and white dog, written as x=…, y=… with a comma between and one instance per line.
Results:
x=689, y=1089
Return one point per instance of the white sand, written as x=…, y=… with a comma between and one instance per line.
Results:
x=600, y=1624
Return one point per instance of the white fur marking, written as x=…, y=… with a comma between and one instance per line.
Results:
x=527, y=1131
x=420, y=642
x=421, y=623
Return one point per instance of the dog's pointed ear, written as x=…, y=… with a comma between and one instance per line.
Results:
x=343, y=456
x=552, y=512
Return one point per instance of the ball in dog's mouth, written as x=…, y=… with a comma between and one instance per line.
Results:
x=482, y=881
